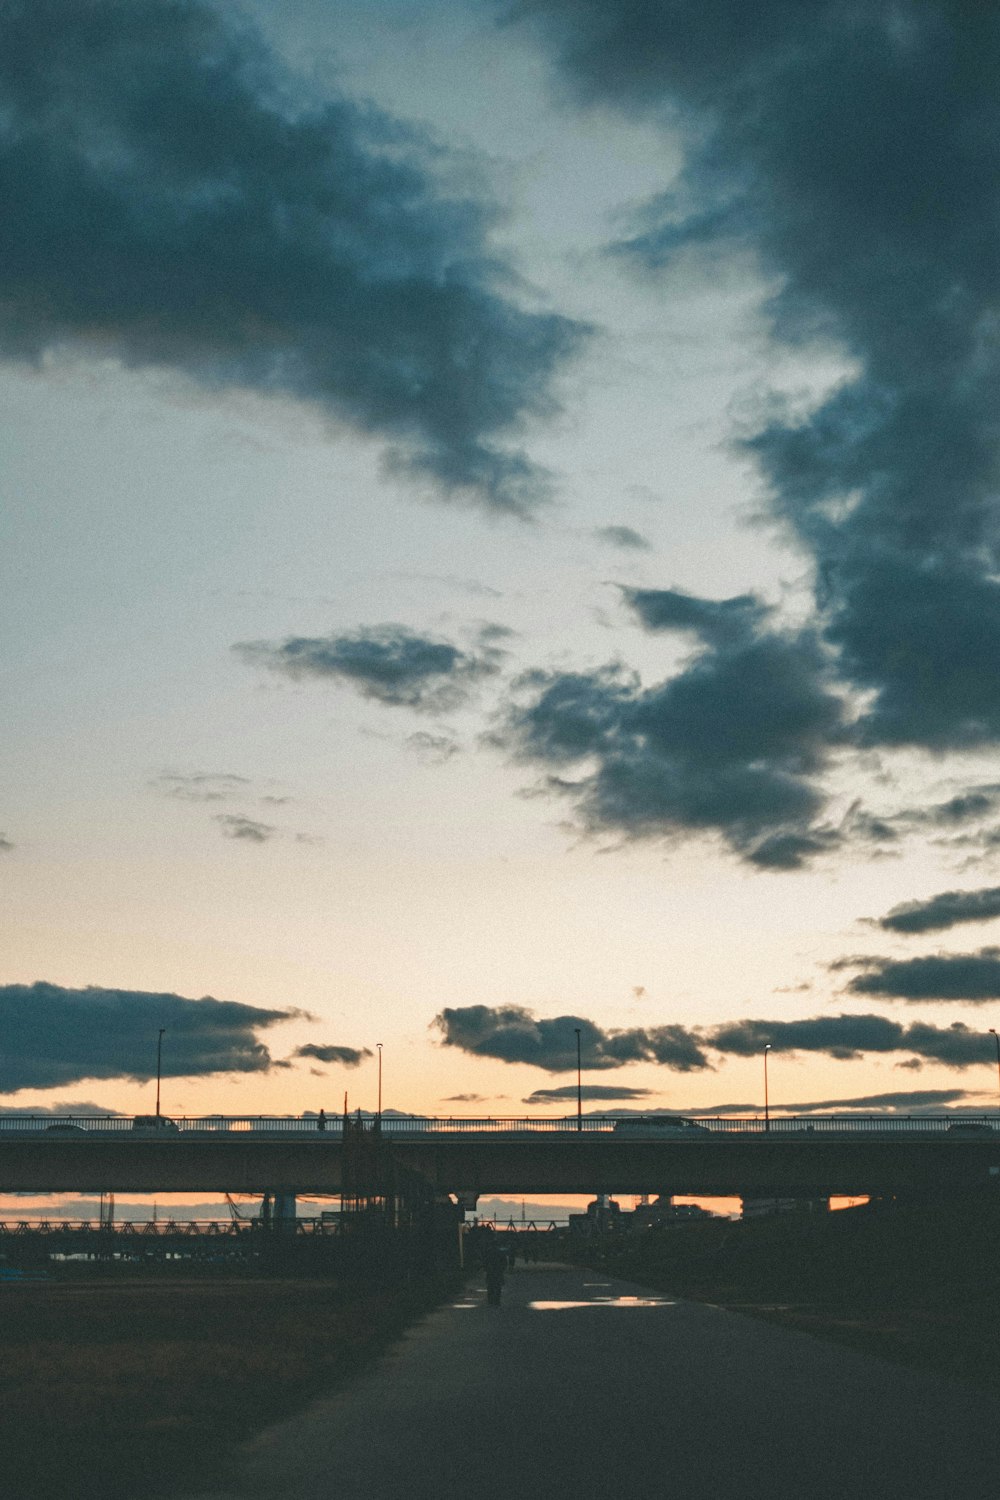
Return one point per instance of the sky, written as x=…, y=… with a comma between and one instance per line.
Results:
x=499, y=536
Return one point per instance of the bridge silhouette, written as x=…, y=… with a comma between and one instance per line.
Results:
x=806, y=1156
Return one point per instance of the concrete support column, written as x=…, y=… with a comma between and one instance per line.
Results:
x=278, y=1210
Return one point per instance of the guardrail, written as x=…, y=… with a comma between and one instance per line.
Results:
x=402, y=1126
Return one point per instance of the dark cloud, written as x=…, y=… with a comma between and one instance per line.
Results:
x=751, y=1108
x=902, y=1101
x=956, y=1046
x=733, y=744
x=985, y=840
x=946, y=909
x=720, y=620
x=236, y=826
x=790, y=850
x=922, y=637
x=201, y=786
x=969, y=806
x=435, y=749
x=515, y=1035
x=5, y=844
x=966, y=807
x=861, y=827
x=348, y=1057
x=854, y=150
x=850, y=1037
x=464, y=1099
x=388, y=663
x=174, y=199
x=973, y=977
x=843, y=1037
x=55, y=1036
x=56, y=1111
x=623, y=537
x=588, y=1091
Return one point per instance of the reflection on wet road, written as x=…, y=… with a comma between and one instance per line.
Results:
x=604, y=1302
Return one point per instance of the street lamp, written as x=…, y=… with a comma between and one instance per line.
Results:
x=996, y=1038
x=159, y=1059
x=379, y=1046
x=767, y=1106
x=579, y=1084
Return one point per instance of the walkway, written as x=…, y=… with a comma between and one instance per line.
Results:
x=566, y=1391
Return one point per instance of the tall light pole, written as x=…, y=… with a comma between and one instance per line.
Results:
x=767, y=1102
x=159, y=1059
x=379, y=1046
x=579, y=1083
x=996, y=1038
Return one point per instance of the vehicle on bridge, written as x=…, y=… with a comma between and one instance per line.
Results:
x=655, y=1127
x=155, y=1125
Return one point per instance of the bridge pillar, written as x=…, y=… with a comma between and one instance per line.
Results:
x=277, y=1210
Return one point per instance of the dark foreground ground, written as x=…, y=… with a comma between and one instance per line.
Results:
x=584, y=1387
x=118, y=1386
x=127, y=1384
x=918, y=1283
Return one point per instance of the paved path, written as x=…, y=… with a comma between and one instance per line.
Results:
x=610, y=1401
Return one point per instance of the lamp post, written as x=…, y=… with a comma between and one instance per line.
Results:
x=996, y=1038
x=159, y=1059
x=579, y=1083
x=379, y=1046
x=767, y=1104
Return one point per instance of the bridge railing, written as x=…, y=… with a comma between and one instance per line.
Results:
x=65, y=1127
x=159, y=1229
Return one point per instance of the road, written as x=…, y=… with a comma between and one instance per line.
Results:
x=567, y=1391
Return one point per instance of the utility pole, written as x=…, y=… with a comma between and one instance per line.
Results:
x=379, y=1046
x=767, y=1105
x=579, y=1083
x=159, y=1059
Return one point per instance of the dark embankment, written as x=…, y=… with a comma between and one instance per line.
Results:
x=916, y=1283
x=126, y=1384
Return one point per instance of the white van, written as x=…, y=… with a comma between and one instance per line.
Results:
x=155, y=1125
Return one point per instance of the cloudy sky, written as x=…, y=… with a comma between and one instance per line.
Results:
x=499, y=536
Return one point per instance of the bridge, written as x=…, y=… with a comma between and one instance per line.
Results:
x=808, y=1156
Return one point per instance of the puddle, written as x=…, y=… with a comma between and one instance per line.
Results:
x=604, y=1302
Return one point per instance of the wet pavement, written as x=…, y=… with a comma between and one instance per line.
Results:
x=581, y=1386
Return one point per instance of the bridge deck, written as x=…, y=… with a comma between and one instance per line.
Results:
x=808, y=1157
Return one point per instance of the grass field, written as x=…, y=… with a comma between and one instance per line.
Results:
x=915, y=1283
x=121, y=1385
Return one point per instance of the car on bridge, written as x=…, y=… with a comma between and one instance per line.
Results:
x=655, y=1127
x=155, y=1125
